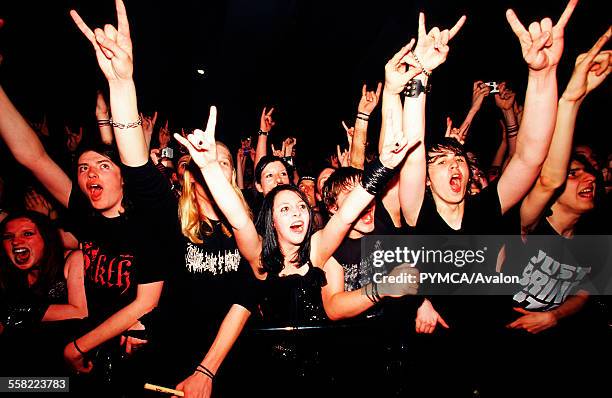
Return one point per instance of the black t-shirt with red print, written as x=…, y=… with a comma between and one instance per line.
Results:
x=122, y=252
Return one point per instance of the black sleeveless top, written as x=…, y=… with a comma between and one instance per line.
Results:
x=294, y=298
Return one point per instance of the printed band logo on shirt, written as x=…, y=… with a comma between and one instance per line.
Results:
x=547, y=282
x=104, y=270
x=198, y=260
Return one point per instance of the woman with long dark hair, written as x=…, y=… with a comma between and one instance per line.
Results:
x=37, y=285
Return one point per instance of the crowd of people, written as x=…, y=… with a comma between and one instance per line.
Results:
x=172, y=259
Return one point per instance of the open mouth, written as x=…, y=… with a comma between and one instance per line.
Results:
x=297, y=227
x=587, y=193
x=21, y=255
x=455, y=182
x=367, y=217
x=95, y=191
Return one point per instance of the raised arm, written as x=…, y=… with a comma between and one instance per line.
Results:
x=431, y=51
x=103, y=119
x=27, y=149
x=359, y=138
x=505, y=101
x=203, y=151
x=113, y=48
x=590, y=71
x=265, y=125
x=325, y=241
x=542, y=46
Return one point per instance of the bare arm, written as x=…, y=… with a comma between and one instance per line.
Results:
x=147, y=297
x=538, y=121
x=113, y=48
x=325, y=241
x=203, y=151
x=536, y=322
x=430, y=52
x=77, y=302
x=338, y=303
x=265, y=125
x=367, y=104
x=103, y=119
x=27, y=149
x=230, y=329
x=554, y=171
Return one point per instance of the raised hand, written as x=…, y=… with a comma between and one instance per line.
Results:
x=396, y=145
x=432, y=48
x=344, y=157
x=288, y=144
x=113, y=46
x=148, y=122
x=201, y=144
x=479, y=92
x=164, y=136
x=73, y=139
x=542, y=44
x=505, y=98
x=400, y=69
x=266, y=122
x=590, y=71
x=38, y=203
x=102, y=111
x=278, y=152
x=453, y=132
x=369, y=99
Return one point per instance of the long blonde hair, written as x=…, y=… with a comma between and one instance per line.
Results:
x=194, y=225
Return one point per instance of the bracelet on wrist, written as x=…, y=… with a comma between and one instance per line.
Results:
x=418, y=61
x=104, y=122
x=261, y=132
x=364, y=118
x=125, y=126
x=204, y=370
x=77, y=347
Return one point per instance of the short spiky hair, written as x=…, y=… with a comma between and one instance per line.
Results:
x=340, y=180
x=446, y=144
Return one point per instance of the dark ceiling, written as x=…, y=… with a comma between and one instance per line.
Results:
x=308, y=58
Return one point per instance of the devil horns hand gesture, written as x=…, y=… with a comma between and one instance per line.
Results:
x=542, y=44
x=113, y=46
x=201, y=144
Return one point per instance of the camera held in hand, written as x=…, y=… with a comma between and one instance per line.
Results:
x=167, y=153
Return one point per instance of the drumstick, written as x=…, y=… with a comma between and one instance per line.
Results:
x=157, y=388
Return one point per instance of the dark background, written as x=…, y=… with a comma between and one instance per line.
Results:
x=307, y=58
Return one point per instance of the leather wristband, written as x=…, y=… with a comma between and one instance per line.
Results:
x=375, y=177
x=415, y=87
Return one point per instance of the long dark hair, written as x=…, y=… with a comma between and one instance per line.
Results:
x=272, y=260
x=51, y=264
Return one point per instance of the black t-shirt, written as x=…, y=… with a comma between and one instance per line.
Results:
x=122, y=252
x=357, y=271
x=208, y=279
x=553, y=267
x=482, y=215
